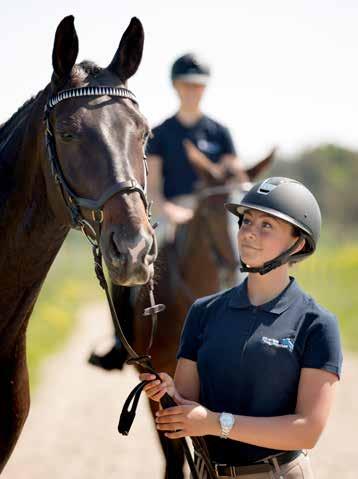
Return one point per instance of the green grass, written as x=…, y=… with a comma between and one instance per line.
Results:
x=70, y=283
x=331, y=277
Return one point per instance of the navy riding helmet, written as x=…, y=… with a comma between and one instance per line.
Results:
x=191, y=69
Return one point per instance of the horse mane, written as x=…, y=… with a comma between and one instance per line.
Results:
x=7, y=163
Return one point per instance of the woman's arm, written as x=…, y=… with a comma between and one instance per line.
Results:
x=297, y=431
x=186, y=379
x=290, y=432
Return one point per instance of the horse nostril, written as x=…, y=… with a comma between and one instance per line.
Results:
x=114, y=245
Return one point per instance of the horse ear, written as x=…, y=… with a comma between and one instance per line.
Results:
x=262, y=165
x=65, y=49
x=208, y=171
x=129, y=53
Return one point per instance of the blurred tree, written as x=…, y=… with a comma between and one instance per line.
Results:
x=332, y=173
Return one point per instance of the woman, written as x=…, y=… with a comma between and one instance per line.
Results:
x=258, y=364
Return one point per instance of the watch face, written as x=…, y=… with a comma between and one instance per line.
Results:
x=226, y=420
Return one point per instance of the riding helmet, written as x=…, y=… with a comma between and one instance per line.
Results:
x=288, y=200
x=191, y=69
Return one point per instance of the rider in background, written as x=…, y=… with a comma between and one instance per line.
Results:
x=172, y=177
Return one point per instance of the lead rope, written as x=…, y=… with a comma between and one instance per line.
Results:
x=127, y=415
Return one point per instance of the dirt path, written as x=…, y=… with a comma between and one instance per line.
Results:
x=71, y=431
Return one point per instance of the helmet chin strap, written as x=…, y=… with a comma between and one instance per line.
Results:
x=273, y=263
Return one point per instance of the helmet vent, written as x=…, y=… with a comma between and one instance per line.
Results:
x=266, y=187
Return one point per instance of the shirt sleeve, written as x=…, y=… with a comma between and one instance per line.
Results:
x=323, y=346
x=227, y=143
x=191, y=336
x=155, y=144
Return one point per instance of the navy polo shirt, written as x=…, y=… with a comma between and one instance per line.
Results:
x=211, y=138
x=249, y=357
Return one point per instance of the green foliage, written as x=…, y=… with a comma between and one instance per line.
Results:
x=331, y=276
x=331, y=172
x=70, y=283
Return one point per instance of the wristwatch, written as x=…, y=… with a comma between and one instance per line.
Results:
x=227, y=421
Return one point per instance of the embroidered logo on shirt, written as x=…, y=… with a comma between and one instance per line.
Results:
x=286, y=343
x=208, y=147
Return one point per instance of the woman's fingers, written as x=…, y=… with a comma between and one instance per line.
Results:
x=175, y=426
x=176, y=435
x=158, y=396
x=146, y=377
x=156, y=388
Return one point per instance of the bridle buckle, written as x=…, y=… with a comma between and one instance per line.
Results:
x=232, y=469
x=97, y=216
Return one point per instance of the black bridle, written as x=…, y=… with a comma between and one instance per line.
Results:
x=92, y=233
x=72, y=200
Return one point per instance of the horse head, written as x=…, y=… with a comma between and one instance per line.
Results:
x=96, y=140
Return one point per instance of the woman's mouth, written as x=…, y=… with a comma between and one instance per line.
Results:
x=249, y=246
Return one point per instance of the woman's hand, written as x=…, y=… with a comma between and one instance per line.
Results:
x=187, y=419
x=156, y=389
x=177, y=214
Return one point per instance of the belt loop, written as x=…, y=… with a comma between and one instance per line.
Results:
x=277, y=467
x=232, y=471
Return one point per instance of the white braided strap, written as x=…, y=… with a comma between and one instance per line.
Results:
x=90, y=91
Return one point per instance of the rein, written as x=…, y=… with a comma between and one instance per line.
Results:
x=92, y=233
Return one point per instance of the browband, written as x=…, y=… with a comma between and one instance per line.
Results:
x=90, y=91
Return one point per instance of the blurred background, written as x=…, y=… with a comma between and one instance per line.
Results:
x=285, y=73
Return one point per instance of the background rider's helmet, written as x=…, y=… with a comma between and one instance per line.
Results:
x=288, y=200
x=191, y=69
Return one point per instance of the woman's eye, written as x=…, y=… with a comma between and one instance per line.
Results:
x=267, y=225
x=245, y=221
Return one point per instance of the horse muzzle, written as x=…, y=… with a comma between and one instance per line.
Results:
x=130, y=261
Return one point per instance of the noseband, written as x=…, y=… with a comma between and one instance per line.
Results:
x=72, y=200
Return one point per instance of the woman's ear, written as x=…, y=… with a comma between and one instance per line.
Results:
x=301, y=245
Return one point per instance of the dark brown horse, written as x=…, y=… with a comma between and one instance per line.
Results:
x=97, y=142
x=200, y=262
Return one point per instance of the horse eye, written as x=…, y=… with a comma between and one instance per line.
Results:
x=67, y=136
x=146, y=136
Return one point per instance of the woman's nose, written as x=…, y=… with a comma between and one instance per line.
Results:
x=249, y=231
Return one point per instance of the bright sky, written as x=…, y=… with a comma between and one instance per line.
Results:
x=285, y=72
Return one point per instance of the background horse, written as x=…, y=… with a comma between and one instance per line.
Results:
x=98, y=141
x=201, y=261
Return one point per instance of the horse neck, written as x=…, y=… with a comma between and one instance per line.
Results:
x=197, y=259
x=30, y=234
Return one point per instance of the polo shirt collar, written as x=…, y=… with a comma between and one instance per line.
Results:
x=239, y=298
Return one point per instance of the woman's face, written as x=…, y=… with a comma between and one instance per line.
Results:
x=190, y=94
x=262, y=237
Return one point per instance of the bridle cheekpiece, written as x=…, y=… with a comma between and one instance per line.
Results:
x=74, y=202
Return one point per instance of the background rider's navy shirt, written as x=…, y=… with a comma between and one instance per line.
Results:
x=249, y=357
x=179, y=177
